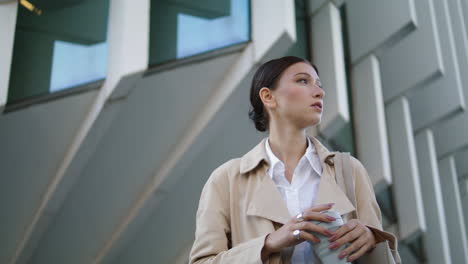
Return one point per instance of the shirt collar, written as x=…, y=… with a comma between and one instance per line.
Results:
x=310, y=153
x=257, y=156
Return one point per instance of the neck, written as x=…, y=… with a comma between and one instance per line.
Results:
x=287, y=142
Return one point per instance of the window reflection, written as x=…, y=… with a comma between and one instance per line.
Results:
x=75, y=64
x=63, y=47
x=182, y=28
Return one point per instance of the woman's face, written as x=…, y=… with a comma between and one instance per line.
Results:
x=299, y=96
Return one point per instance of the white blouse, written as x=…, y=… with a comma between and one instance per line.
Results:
x=300, y=194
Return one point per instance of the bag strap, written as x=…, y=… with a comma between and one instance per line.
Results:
x=344, y=177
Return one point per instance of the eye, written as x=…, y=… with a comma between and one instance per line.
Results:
x=319, y=84
x=304, y=81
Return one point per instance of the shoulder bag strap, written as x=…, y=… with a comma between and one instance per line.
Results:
x=344, y=177
x=382, y=253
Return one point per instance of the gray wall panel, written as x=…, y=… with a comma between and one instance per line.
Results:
x=369, y=120
x=464, y=10
x=406, y=187
x=435, y=238
x=464, y=198
x=328, y=55
x=415, y=58
x=460, y=34
x=314, y=5
x=34, y=141
x=388, y=18
x=453, y=211
x=427, y=102
x=461, y=161
x=451, y=135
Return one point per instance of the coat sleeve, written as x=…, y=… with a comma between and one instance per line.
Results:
x=212, y=235
x=368, y=210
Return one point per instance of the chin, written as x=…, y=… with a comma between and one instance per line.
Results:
x=315, y=120
x=311, y=122
x=315, y=123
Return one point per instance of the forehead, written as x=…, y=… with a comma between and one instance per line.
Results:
x=300, y=67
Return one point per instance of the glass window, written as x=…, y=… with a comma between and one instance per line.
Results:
x=183, y=28
x=63, y=46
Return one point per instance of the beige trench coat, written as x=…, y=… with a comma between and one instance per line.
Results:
x=240, y=205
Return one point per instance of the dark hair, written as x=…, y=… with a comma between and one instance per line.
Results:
x=267, y=75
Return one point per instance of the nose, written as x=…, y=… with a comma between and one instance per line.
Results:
x=319, y=92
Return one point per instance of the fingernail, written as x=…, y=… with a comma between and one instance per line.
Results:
x=350, y=259
x=329, y=233
x=342, y=254
x=331, y=218
x=331, y=204
x=332, y=238
x=332, y=246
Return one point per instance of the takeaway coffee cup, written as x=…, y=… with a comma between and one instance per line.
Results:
x=326, y=255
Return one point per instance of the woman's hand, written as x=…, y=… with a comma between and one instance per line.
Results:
x=360, y=236
x=283, y=237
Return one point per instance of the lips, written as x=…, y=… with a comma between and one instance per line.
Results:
x=317, y=104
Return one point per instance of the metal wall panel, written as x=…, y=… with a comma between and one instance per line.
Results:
x=328, y=55
x=436, y=239
x=388, y=18
x=415, y=58
x=406, y=183
x=427, y=103
x=453, y=210
x=369, y=120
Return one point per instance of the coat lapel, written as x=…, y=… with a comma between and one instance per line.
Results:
x=267, y=201
x=329, y=191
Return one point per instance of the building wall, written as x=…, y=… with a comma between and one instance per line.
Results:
x=406, y=63
x=123, y=179
x=131, y=147
x=7, y=29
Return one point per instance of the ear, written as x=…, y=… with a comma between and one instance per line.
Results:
x=267, y=97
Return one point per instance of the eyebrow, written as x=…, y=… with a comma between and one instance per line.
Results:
x=303, y=73
x=316, y=79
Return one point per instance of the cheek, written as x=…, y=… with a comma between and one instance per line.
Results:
x=292, y=102
x=294, y=94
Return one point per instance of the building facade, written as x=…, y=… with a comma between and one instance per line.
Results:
x=113, y=114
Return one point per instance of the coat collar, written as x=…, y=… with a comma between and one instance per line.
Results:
x=267, y=201
x=258, y=154
x=308, y=156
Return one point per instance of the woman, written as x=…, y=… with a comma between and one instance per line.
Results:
x=259, y=207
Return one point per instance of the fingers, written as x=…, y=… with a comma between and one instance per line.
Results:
x=305, y=236
x=354, y=247
x=321, y=207
x=310, y=237
x=360, y=237
x=301, y=236
x=312, y=215
x=311, y=227
x=358, y=253
x=348, y=237
x=350, y=225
